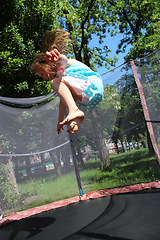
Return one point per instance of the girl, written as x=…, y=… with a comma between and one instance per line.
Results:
x=72, y=80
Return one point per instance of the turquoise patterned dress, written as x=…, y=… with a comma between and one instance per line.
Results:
x=85, y=82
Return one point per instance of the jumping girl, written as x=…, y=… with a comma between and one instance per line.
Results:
x=73, y=81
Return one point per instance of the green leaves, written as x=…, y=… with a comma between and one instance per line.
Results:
x=22, y=32
x=19, y=43
x=21, y=86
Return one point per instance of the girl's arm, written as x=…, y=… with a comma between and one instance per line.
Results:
x=62, y=110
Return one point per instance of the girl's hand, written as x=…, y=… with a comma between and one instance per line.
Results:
x=59, y=127
x=58, y=58
x=53, y=55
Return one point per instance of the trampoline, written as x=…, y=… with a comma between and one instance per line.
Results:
x=131, y=216
x=29, y=150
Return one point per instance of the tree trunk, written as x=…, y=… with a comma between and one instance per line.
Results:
x=28, y=166
x=16, y=166
x=79, y=157
x=43, y=162
x=67, y=165
x=11, y=176
x=150, y=146
x=102, y=143
x=56, y=163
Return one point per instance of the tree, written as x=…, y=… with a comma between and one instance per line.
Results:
x=84, y=20
x=136, y=20
x=22, y=32
x=21, y=35
x=20, y=38
x=130, y=112
x=108, y=109
x=147, y=43
x=139, y=23
x=6, y=12
x=29, y=20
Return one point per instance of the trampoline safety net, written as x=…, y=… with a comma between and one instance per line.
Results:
x=39, y=166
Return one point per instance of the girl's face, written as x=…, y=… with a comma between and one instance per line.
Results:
x=42, y=73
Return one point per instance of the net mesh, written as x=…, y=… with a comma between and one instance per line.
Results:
x=38, y=166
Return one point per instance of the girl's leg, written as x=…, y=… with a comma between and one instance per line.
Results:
x=66, y=97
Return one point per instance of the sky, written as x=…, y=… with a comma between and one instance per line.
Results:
x=112, y=43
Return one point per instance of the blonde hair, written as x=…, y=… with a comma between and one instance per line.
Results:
x=52, y=39
x=41, y=62
x=56, y=39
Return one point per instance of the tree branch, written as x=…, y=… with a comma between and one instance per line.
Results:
x=83, y=23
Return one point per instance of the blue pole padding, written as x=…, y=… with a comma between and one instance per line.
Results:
x=81, y=192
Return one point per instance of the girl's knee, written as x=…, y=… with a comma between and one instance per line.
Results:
x=55, y=83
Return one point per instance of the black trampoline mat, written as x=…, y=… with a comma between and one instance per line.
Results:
x=55, y=224
x=131, y=216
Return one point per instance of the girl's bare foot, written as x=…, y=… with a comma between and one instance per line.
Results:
x=74, y=125
x=73, y=116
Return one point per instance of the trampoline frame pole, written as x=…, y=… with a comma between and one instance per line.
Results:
x=76, y=170
x=146, y=112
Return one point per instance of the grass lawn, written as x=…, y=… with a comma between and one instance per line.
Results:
x=126, y=168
